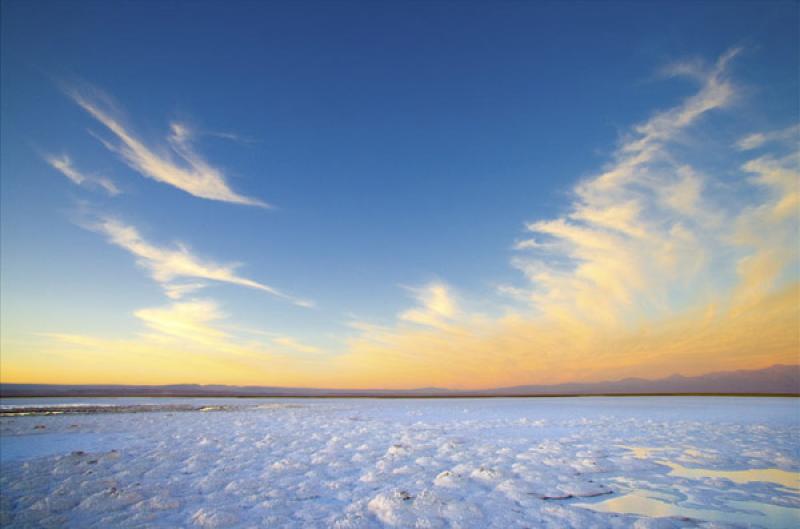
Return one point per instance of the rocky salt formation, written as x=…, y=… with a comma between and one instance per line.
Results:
x=493, y=463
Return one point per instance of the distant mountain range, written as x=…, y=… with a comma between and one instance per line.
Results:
x=775, y=380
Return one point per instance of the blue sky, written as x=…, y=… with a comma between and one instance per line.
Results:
x=402, y=145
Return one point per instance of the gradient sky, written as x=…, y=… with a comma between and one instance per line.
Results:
x=408, y=194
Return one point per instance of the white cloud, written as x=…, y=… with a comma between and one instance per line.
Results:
x=177, y=163
x=759, y=139
x=770, y=229
x=640, y=223
x=436, y=306
x=63, y=164
x=657, y=265
x=203, y=322
x=168, y=265
x=295, y=345
x=179, y=290
x=528, y=244
x=645, y=145
x=752, y=141
x=189, y=320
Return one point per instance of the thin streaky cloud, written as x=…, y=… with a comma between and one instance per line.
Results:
x=178, y=163
x=283, y=340
x=170, y=266
x=528, y=244
x=230, y=136
x=645, y=144
x=759, y=139
x=436, y=306
x=108, y=185
x=179, y=290
x=646, y=268
x=642, y=221
x=295, y=345
x=188, y=320
x=63, y=164
x=174, y=336
x=666, y=260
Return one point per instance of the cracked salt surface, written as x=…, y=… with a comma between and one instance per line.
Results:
x=363, y=463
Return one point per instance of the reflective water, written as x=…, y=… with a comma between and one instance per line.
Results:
x=661, y=504
x=22, y=447
x=661, y=501
x=790, y=480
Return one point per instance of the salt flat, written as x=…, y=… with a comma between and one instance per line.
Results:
x=642, y=462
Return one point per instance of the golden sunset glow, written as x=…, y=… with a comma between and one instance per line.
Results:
x=656, y=265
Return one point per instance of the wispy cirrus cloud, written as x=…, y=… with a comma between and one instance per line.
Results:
x=188, y=320
x=295, y=345
x=642, y=221
x=769, y=231
x=188, y=341
x=663, y=262
x=63, y=164
x=283, y=341
x=436, y=306
x=170, y=266
x=758, y=139
x=176, y=162
x=202, y=321
x=520, y=349
x=656, y=266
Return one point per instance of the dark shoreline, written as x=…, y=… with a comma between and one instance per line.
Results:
x=775, y=381
x=394, y=396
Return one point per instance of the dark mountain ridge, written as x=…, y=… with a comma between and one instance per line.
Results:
x=775, y=380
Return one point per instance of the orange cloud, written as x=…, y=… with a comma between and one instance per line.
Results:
x=647, y=273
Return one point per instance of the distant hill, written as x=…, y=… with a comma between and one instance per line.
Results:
x=778, y=379
x=775, y=380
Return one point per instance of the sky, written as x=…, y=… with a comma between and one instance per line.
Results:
x=397, y=194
